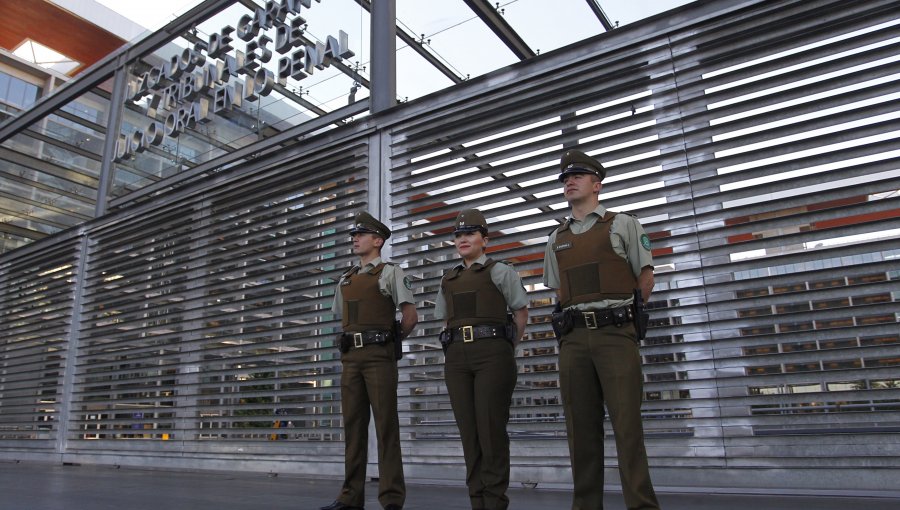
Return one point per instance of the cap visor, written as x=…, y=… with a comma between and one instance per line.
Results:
x=467, y=229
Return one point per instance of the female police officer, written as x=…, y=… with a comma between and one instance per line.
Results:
x=480, y=365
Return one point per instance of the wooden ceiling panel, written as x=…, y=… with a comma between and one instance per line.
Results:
x=56, y=28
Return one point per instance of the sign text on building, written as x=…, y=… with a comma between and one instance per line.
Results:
x=213, y=78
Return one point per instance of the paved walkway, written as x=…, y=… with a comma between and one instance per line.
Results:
x=36, y=486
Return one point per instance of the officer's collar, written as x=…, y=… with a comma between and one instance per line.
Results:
x=600, y=212
x=372, y=264
x=480, y=261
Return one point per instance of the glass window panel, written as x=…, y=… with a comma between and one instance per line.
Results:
x=885, y=384
x=4, y=86
x=790, y=327
x=824, y=284
x=759, y=330
x=868, y=278
x=762, y=370
x=845, y=385
x=794, y=287
x=805, y=388
x=754, y=312
x=835, y=323
x=883, y=362
x=753, y=292
x=876, y=319
x=873, y=299
x=831, y=303
x=838, y=343
x=799, y=346
x=801, y=367
x=16, y=94
x=765, y=390
x=760, y=349
x=792, y=308
x=842, y=364
x=880, y=340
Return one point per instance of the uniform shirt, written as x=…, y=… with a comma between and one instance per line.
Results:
x=504, y=277
x=392, y=283
x=629, y=241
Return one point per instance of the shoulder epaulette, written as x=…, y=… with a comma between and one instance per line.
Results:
x=487, y=264
x=564, y=225
x=353, y=269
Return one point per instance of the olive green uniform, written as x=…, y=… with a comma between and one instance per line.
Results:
x=481, y=374
x=369, y=379
x=602, y=366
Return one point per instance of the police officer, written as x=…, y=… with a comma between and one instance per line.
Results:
x=366, y=299
x=594, y=261
x=480, y=365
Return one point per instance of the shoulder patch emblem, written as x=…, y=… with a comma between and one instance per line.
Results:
x=645, y=241
x=407, y=282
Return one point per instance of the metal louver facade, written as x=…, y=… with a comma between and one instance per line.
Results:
x=758, y=142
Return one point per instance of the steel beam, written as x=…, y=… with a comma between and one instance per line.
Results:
x=7, y=228
x=598, y=11
x=499, y=26
x=418, y=48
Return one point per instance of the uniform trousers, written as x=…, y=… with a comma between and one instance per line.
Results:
x=598, y=366
x=369, y=379
x=480, y=378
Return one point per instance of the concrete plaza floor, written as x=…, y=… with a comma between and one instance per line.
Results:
x=42, y=486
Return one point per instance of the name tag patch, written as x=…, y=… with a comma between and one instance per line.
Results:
x=561, y=246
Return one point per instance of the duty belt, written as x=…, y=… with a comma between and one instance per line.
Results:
x=593, y=319
x=472, y=333
x=365, y=338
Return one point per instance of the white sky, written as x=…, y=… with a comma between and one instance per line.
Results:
x=155, y=13
x=456, y=36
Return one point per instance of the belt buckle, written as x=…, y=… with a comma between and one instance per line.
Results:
x=468, y=334
x=590, y=319
x=357, y=340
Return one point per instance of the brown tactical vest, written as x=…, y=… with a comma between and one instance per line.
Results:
x=472, y=297
x=365, y=307
x=589, y=268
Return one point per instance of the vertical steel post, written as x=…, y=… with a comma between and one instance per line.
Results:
x=108, y=165
x=72, y=342
x=384, y=55
x=383, y=96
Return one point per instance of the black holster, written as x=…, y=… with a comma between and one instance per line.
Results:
x=398, y=345
x=344, y=343
x=511, y=329
x=561, y=321
x=641, y=317
x=445, y=339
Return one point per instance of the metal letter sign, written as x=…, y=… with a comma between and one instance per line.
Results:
x=193, y=85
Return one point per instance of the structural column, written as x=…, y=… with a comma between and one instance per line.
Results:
x=384, y=55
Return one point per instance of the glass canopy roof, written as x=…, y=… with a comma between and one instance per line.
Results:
x=54, y=165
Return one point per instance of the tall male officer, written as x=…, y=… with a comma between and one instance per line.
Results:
x=366, y=299
x=594, y=261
